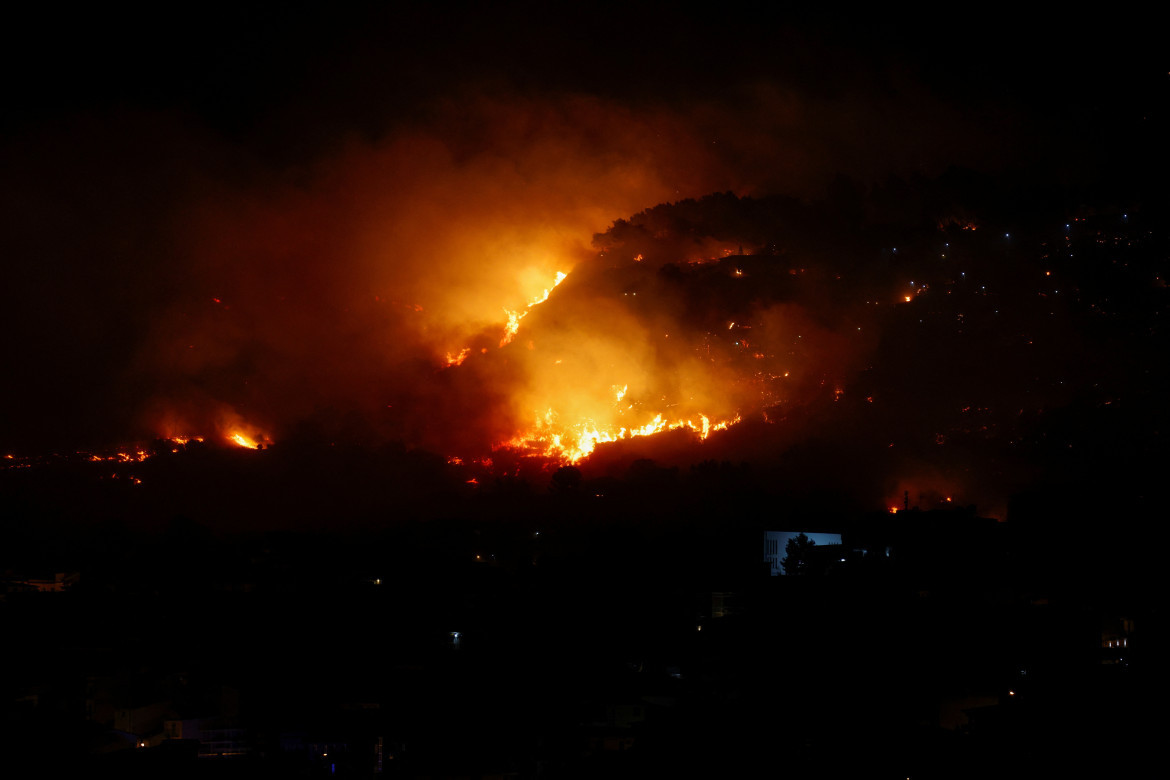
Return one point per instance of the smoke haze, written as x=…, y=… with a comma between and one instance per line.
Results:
x=291, y=225
x=166, y=279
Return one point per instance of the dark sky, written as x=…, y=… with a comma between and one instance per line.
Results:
x=306, y=73
x=288, y=163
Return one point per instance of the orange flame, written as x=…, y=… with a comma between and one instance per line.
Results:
x=457, y=360
x=243, y=441
x=514, y=317
x=572, y=443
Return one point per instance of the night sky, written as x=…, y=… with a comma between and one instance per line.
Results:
x=286, y=218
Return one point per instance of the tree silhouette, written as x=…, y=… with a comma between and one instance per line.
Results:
x=566, y=480
x=797, y=551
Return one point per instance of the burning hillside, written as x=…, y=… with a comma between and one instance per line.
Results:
x=250, y=234
x=628, y=348
x=812, y=349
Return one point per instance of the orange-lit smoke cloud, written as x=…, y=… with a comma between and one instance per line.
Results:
x=168, y=275
x=342, y=287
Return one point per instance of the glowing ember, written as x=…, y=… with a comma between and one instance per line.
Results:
x=122, y=457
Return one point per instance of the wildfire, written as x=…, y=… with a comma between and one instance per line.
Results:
x=514, y=317
x=457, y=360
x=244, y=441
x=122, y=457
x=512, y=326
x=571, y=443
x=570, y=430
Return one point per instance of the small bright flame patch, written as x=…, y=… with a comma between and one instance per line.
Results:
x=244, y=441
